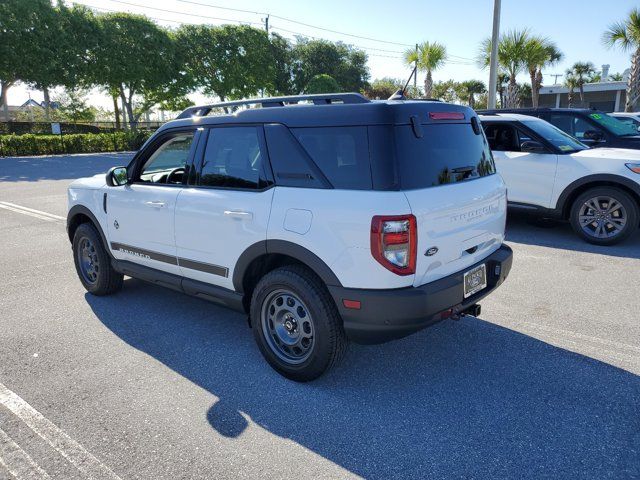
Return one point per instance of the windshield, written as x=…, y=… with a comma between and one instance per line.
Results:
x=559, y=139
x=613, y=125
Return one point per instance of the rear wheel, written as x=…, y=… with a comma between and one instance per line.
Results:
x=604, y=215
x=296, y=324
x=92, y=262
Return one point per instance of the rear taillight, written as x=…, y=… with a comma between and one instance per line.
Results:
x=394, y=242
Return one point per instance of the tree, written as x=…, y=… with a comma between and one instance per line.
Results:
x=581, y=71
x=615, y=77
x=571, y=83
x=228, y=62
x=626, y=35
x=539, y=53
x=429, y=57
x=466, y=90
x=322, y=83
x=283, y=64
x=135, y=57
x=511, y=58
x=383, y=88
x=73, y=106
x=347, y=65
x=21, y=45
x=68, y=37
x=445, y=91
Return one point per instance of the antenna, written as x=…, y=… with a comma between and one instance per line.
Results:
x=399, y=94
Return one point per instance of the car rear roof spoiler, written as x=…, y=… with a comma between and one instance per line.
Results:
x=318, y=99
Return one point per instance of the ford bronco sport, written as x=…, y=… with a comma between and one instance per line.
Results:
x=337, y=219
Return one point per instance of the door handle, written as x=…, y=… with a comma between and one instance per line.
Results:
x=238, y=214
x=155, y=204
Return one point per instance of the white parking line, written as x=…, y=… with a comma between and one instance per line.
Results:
x=17, y=461
x=50, y=217
x=54, y=436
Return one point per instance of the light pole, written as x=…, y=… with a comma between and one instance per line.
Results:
x=493, y=64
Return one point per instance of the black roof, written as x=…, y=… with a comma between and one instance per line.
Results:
x=347, y=110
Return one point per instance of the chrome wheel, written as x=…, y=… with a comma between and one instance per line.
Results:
x=88, y=260
x=287, y=326
x=602, y=217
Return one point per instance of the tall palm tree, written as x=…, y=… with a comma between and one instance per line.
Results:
x=581, y=71
x=539, y=53
x=511, y=58
x=626, y=34
x=429, y=57
x=571, y=82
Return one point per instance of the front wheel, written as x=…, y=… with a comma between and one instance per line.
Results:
x=296, y=324
x=92, y=262
x=604, y=215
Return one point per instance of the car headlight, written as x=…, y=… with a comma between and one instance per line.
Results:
x=634, y=167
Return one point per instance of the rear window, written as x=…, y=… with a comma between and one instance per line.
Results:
x=446, y=153
x=341, y=153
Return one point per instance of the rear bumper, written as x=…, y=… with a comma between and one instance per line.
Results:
x=389, y=314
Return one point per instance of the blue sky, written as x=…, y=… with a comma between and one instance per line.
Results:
x=575, y=25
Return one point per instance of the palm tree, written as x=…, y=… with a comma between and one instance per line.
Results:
x=581, y=71
x=571, y=83
x=429, y=57
x=468, y=89
x=626, y=34
x=539, y=53
x=503, y=78
x=615, y=77
x=511, y=58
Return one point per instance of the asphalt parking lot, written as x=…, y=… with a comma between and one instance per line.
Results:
x=151, y=384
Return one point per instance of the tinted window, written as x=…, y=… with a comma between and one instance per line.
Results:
x=291, y=164
x=446, y=153
x=574, y=125
x=233, y=158
x=341, y=153
x=167, y=163
x=502, y=138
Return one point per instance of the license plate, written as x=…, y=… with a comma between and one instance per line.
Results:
x=475, y=280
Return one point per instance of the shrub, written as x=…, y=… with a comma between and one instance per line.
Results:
x=29, y=144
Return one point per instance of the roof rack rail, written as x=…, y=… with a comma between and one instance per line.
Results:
x=317, y=99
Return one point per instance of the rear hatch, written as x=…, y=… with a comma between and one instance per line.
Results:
x=447, y=173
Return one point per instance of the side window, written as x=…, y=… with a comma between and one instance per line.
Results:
x=563, y=122
x=167, y=164
x=233, y=158
x=580, y=126
x=523, y=137
x=341, y=153
x=502, y=138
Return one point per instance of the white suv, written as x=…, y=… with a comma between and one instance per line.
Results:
x=333, y=220
x=551, y=174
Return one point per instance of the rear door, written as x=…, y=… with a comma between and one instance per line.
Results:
x=140, y=215
x=448, y=176
x=226, y=207
x=529, y=176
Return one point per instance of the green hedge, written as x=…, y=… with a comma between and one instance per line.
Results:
x=29, y=144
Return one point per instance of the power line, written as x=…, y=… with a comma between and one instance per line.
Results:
x=183, y=13
x=299, y=23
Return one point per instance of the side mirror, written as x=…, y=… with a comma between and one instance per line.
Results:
x=531, y=146
x=593, y=135
x=117, y=176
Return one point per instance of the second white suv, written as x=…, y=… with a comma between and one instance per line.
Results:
x=551, y=174
x=339, y=219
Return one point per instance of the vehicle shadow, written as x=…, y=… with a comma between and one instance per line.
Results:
x=523, y=228
x=465, y=399
x=59, y=167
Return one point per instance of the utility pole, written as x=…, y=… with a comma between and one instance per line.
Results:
x=415, y=76
x=266, y=24
x=493, y=64
x=555, y=77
